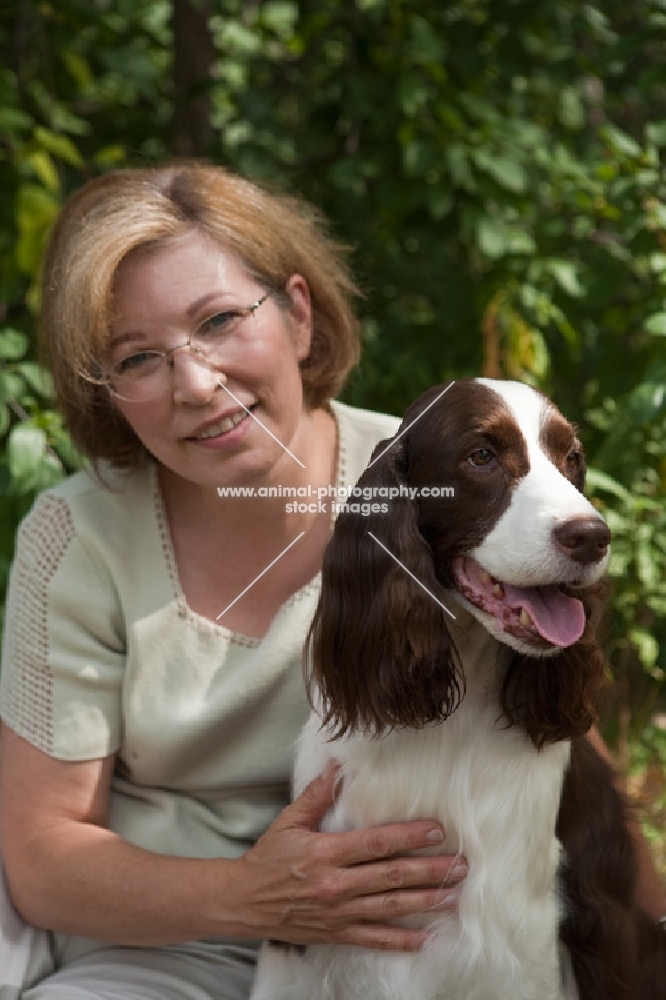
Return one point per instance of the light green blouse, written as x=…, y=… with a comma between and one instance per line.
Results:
x=102, y=654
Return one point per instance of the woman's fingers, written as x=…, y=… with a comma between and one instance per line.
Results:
x=384, y=938
x=314, y=801
x=443, y=872
x=386, y=841
x=357, y=846
x=370, y=920
x=386, y=907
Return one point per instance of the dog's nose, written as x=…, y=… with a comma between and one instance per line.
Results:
x=583, y=539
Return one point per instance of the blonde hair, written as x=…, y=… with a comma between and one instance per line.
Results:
x=273, y=235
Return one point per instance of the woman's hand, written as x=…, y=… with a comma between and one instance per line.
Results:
x=302, y=886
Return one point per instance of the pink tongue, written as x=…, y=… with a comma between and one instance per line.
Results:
x=558, y=619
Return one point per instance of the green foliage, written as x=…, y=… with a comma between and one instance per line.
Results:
x=496, y=166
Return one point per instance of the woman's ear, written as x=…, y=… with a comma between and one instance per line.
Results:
x=300, y=314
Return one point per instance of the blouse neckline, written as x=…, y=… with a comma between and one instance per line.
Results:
x=168, y=552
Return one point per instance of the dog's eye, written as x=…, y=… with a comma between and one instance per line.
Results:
x=572, y=461
x=482, y=457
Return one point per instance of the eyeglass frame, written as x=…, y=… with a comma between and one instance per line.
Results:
x=196, y=351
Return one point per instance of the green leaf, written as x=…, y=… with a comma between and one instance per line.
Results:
x=646, y=565
x=43, y=166
x=646, y=644
x=60, y=146
x=13, y=344
x=13, y=120
x=658, y=262
x=457, y=157
x=412, y=93
x=572, y=110
x=280, y=16
x=440, y=202
x=78, y=67
x=26, y=447
x=37, y=378
x=36, y=209
x=418, y=157
x=427, y=44
x=620, y=142
x=5, y=419
x=493, y=238
x=647, y=400
x=110, y=156
x=656, y=133
x=566, y=275
x=237, y=38
x=656, y=324
x=63, y=120
x=11, y=385
x=598, y=480
x=63, y=445
x=509, y=174
x=50, y=471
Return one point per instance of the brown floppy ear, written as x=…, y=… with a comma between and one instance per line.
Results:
x=380, y=651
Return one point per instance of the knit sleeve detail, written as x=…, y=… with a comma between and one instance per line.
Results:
x=63, y=655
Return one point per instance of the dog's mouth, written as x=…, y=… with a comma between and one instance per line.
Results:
x=544, y=617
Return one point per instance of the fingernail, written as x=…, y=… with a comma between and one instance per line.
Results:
x=435, y=836
x=460, y=871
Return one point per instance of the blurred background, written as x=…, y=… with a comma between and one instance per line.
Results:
x=496, y=169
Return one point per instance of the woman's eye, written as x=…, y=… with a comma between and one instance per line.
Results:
x=221, y=322
x=137, y=362
x=482, y=457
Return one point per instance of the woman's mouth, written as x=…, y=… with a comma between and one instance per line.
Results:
x=223, y=426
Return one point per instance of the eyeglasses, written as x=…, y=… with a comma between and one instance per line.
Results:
x=146, y=375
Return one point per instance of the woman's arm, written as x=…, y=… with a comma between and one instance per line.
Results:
x=650, y=892
x=66, y=871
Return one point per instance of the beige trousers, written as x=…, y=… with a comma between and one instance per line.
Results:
x=192, y=971
x=187, y=972
x=25, y=953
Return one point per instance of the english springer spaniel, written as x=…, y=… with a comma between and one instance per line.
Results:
x=480, y=721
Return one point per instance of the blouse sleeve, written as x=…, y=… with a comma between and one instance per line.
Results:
x=64, y=650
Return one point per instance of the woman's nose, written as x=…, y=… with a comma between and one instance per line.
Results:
x=194, y=380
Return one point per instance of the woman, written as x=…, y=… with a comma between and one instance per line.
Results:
x=198, y=329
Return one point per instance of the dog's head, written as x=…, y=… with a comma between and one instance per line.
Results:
x=478, y=503
x=516, y=533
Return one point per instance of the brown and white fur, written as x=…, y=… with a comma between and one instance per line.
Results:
x=477, y=722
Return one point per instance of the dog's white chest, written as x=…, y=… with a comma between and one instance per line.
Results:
x=498, y=801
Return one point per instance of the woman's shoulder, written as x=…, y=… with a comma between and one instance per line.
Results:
x=360, y=431
x=103, y=484
x=369, y=422
x=89, y=502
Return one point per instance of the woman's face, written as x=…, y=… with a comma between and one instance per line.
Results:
x=163, y=296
